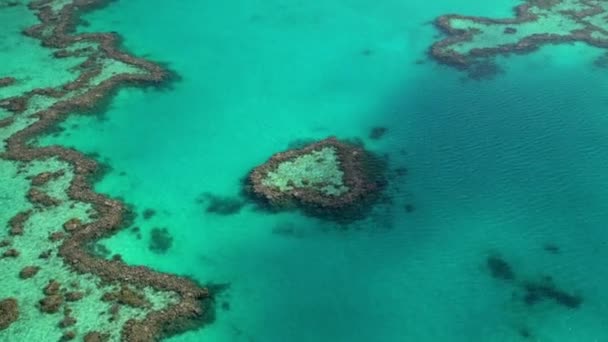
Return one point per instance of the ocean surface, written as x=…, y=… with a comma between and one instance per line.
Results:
x=512, y=167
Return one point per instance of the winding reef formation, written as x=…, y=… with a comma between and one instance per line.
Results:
x=472, y=40
x=325, y=177
x=50, y=213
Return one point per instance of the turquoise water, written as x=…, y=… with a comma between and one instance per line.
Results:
x=503, y=166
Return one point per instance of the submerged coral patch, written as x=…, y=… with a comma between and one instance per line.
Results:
x=148, y=214
x=499, y=268
x=221, y=205
x=377, y=133
x=534, y=291
x=552, y=248
x=160, y=240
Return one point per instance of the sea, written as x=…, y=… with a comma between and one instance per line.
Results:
x=496, y=208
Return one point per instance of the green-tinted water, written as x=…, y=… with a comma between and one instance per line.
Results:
x=513, y=166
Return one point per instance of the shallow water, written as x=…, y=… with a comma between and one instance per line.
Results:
x=508, y=166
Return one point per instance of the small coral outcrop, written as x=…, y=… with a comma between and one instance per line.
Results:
x=9, y=312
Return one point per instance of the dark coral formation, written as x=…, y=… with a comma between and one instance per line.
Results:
x=221, y=205
x=499, y=268
x=55, y=31
x=148, y=214
x=28, y=272
x=524, y=332
x=95, y=336
x=552, y=248
x=11, y=253
x=534, y=291
x=9, y=312
x=17, y=223
x=46, y=254
x=546, y=290
x=74, y=296
x=45, y=177
x=68, y=335
x=136, y=231
x=602, y=61
x=483, y=70
x=581, y=13
x=6, y=81
x=362, y=177
x=377, y=133
x=15, y=105
x=51, y=303
x=38, y=197
x=52, y=287
x=160, y=240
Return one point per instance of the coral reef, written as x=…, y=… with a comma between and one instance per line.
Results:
x=324, y=177
x=100, y=70
x=472, y=40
